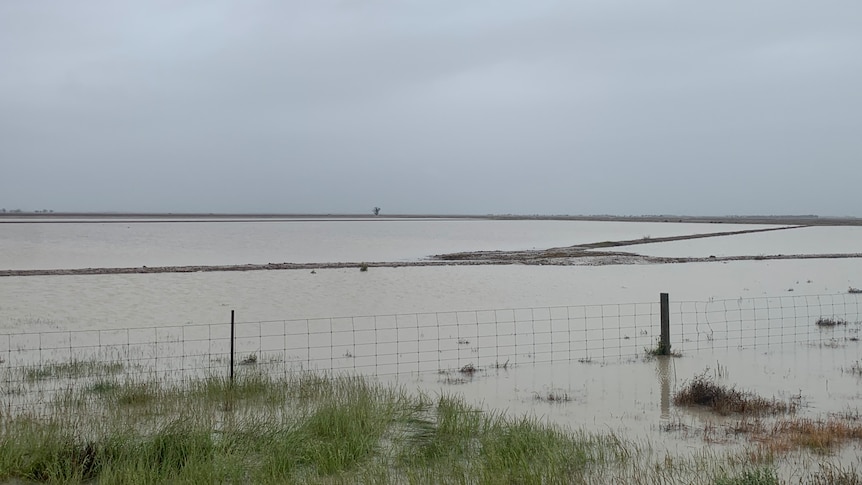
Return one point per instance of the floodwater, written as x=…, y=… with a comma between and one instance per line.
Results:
x=577, y=332
x=801, y=240
x=633, y=396
x=44, y=303
x=106, y=244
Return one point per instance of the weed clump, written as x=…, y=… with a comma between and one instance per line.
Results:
x=660, y=349
x=66, y=460
x=827, y=322
x=788, y=434
x=817, y=435
x=554, y=397
x=855, y=368
x=831, y=475
x=703, y=391
x=71, y=370
x=755, y=476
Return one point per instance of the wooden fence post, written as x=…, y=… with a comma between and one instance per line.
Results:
x=231, y=346
x=664, y=343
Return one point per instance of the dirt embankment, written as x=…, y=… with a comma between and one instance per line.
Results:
x=587, y=254
x=584, y=259
x=583, y=250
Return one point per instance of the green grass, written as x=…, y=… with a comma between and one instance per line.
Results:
x=660, y=349
x=311, y=428
x=754, y=476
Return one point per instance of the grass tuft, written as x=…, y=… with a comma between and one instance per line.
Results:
x=826, y=322
x=136, y=394
x=833, y=475
x=440, y=434
x=704, y=391
x=661, y=349
x=855, y=368
x=554, y=397
x=816, y=435
x=755, y=476
x=103, y=387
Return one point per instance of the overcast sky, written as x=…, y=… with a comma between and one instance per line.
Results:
x=435, y=106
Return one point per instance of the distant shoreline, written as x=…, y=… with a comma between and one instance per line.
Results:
x=109, y=217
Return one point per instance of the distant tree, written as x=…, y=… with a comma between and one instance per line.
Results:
x=376, y=211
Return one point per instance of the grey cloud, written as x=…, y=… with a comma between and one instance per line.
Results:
x=473, y=107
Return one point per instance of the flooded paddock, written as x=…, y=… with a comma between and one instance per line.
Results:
x=567, y=344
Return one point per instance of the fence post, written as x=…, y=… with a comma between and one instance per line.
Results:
x=231, y=345
x=664, y=343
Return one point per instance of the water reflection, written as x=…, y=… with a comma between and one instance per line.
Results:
x=663, y=371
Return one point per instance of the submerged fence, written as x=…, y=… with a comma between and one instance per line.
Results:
x=423, y=342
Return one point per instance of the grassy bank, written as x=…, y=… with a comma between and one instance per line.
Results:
x=308, y=428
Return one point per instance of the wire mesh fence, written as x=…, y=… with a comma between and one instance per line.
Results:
x=766, y=321
x=379, y=344
x=37, y=365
